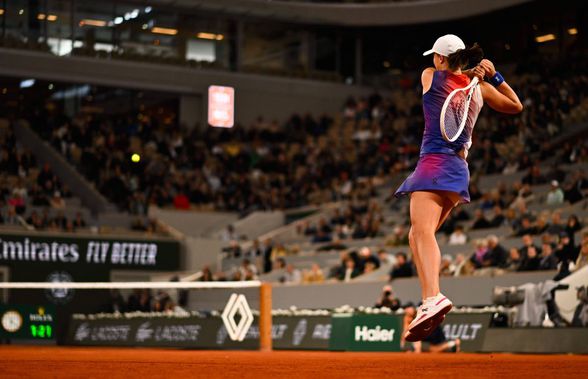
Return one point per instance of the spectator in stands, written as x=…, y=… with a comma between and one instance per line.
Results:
x=248, y=270
x=57, y=201
x=447, y=266
x=402, y=268
x=308, y=229
x=35, y=220
x=548, y=258
x=527, y=240
x=60, y=219
x=399, y=237
x=458, y=237
x=279, y=250
x=140, y=300
x=556, y=226
x=280, y=264
x=292, y=275
x=385, y=258
x=267, y=255
x=321, y=236
x=206, y=275
x=575, y=187
x=566, y=254
x=117, y=303
x=514, y=260
x=532, y=259
x=388, y=299
x=229, y=234
x=233, y=250
x=324, y=227
x=480, y=221
x=512, y=220
x=555, y=195
x=17, y=202
x=79, y=222
x=582, y=260
x=497, y=255
x=534, y=176
x=526, y=227
x=480, y=256
x=314, y=275
x=367, y=258
x=463, y=266
x=541, y=225
x=337, y=218
x=351, y=270
x=572, y=226
x=11, y=218
x=498, y=219
x=524, y=196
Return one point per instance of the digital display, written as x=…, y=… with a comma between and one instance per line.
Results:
x=27, y=322
x=221, y=106
x=41, y=331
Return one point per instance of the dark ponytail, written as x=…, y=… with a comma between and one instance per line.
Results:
x=464, y=57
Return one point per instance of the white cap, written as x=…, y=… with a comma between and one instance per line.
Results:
x=446, y=45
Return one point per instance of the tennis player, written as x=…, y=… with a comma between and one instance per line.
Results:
x=441, y=178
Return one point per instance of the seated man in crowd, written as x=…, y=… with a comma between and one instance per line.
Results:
x=458, y=237
x=497, y=255
x=402, y=268
x=480, y=221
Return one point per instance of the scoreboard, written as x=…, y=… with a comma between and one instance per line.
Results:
x=32, y=322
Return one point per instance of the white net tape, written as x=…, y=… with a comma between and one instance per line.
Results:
x=128, y=285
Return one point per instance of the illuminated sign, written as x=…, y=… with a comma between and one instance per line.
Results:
x=221, y=106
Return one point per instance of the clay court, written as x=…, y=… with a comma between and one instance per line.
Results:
x=68, y=362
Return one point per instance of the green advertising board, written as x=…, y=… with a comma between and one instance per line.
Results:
x=365, y=332
x=33, y=322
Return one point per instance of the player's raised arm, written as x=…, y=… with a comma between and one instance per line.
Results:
x=497, y=93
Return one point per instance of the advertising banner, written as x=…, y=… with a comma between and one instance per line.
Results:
x=301, y=332
x=189, y=332
x=89, y=252
x=366, y=332
x=470, y=328
x=288, y=332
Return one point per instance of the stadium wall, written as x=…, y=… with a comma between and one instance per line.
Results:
x=466, y=291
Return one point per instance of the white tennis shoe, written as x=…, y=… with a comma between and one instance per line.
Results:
x=429, y=315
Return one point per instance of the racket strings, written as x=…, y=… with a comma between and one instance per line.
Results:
x=455, y=113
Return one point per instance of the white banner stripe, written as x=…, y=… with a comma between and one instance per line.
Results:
x=126, y=285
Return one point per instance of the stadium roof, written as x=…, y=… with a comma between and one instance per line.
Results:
x=365, y=14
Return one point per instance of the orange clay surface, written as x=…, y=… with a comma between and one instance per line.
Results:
x=109, y=363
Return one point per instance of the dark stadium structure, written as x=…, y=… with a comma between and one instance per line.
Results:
x=111, y=172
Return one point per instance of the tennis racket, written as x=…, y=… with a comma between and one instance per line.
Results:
x=454, y=113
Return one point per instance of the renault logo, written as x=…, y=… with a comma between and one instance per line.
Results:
x=237, y=304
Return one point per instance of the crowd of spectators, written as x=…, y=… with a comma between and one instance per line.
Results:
x=144, y=300
x=306, y=160
x=30, y=195
x=391, y=127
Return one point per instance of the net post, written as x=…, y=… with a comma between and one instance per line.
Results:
x=265, y=317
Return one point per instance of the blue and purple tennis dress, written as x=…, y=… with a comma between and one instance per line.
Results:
x=440, y=167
